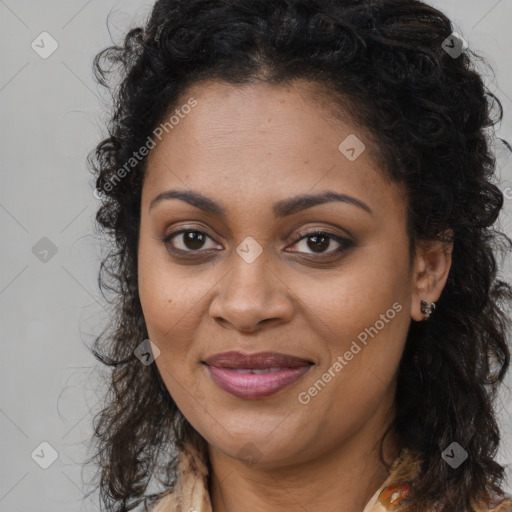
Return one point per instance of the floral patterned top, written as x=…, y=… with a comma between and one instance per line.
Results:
x=190, y=493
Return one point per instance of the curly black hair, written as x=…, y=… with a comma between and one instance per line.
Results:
x=430, y=117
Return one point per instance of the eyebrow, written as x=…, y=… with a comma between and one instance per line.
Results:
x=281, y=208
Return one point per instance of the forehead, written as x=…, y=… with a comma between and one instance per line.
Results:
x=261, y=141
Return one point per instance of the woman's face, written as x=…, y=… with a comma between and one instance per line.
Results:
x=245, y=272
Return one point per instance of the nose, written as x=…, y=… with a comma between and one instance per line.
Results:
x=251, y=296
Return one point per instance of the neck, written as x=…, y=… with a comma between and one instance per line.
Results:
x=344, y=478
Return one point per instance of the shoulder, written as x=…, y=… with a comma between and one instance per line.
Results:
x=504, y=504
x=398, y=490
x=167, y=502
x=396, y=496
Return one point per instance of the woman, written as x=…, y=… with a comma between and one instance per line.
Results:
x=307, y=310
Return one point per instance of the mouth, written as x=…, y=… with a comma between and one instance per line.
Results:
x=255, y=375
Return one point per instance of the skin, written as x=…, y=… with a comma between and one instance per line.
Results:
x=246, y=148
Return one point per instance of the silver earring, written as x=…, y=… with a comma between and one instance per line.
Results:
x=427, y=308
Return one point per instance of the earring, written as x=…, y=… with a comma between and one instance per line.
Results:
x=427, y=308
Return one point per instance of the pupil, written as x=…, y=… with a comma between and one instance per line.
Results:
x=318, y=242
x=194, y=240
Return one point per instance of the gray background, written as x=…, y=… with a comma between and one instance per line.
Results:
x=52, y=115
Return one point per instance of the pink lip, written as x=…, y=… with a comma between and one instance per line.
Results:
x=231, y=371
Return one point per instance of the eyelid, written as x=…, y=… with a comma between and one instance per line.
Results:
x=344, y=241
x=303, y=233
x=186, y=229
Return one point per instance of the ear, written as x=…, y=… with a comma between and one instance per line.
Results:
x=432, y=264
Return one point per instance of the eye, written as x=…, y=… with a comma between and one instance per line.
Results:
x=188, y=240
x=319, y=242
x=191, y=240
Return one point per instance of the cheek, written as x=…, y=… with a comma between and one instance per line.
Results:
x=167, y=297
x=173, y=307
x=360, y=302
x=163, y=302
x=361, y=317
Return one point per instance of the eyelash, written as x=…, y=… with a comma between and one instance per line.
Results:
x=345, y=243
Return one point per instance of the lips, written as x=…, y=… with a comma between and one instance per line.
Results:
x=255, y=375
x=261, y=360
